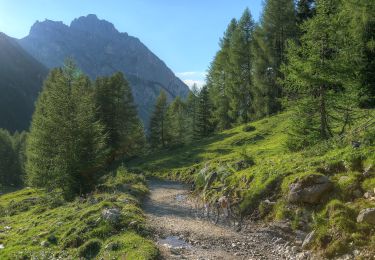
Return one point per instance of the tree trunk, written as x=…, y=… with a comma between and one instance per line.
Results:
x=323, y=114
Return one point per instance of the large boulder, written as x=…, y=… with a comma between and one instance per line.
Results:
x=367, y=215
x=310, y=189
x=111, y=215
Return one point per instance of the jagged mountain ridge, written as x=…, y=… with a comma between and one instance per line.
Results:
x=100, y=49
x=21, y=79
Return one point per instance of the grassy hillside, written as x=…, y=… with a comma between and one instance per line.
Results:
x=37, y=225
x=252, y=164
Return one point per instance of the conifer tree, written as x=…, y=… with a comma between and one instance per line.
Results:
x=203, y=125
x=240, y=90
x=66, y=144
x=158, y=131
x=277, y=25
x=361, y=26
x=219, y=80
x=305, y=10
x=118, y=113
x=192, y=111
x=177, y=123
x=10, y=164
x=320, y=76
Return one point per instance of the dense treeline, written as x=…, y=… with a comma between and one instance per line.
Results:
x=78, y=128
x=12, y=158
x=313, y=57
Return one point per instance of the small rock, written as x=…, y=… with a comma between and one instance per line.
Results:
x=294, y=249
x=133, y=223
x=7, y=228
x=308, y=240
x=44, y=243
x=1, y=246
x=369, y=194
x=367, y=215
x=112, y=246
x=346, y=257
x=303, y=255
x=111, y=215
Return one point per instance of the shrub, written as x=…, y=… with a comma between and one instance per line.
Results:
x=90, y=249
x=248, y=128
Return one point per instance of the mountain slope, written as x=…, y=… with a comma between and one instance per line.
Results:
x=99, y=49
x=311, y=190
x=21, y=78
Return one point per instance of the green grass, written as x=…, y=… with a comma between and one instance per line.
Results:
x=76, y=229
x=273, y=169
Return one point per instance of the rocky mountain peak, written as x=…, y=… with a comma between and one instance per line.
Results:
x=91, y=23
x=47, y=27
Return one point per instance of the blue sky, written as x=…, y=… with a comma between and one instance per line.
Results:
x=183, y=33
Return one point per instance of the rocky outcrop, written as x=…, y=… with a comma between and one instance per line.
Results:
x=111, y=215
x=99, y=50
x=310, y=189
x=367, y=216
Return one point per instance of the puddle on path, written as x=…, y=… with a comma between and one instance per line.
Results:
x=174, y=242
x=181, y=197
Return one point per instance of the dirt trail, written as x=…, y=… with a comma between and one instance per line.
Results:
x=180, y=235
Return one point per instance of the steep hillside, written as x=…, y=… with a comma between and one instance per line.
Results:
x=322, y=188
x=99, y=49
x=21, y=78
x=108, y=224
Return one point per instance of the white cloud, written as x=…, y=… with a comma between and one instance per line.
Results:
x=193, y=74
x=193, y=77
x=191, y=82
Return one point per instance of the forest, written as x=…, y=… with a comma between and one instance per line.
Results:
x=301, y=81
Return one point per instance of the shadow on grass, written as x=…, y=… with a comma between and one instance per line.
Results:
x=182, y=156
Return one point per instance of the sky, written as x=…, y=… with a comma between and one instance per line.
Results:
x=183, y=33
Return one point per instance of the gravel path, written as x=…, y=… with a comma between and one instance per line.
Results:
x=180, y=235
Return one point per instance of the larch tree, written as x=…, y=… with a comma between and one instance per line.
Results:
x=158, y=132
x=118, y=113
x=203, y=124
x=11, y=172
x=192, y=112
x=321, y=78
x=241, y=61
x=277, y=25
x=177, y=123
x=66, y=144
x=219, y=80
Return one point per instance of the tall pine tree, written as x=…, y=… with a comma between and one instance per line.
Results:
x=177, y=123
x=321, y=77
x=219, y=79
x=241, y=59
x=203, y=124
x=118, y=113
x=277, y=25
x=158, y=127
x=192, y=112
x=66, y=144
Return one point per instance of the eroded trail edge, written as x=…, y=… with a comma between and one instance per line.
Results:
x=181, y=235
